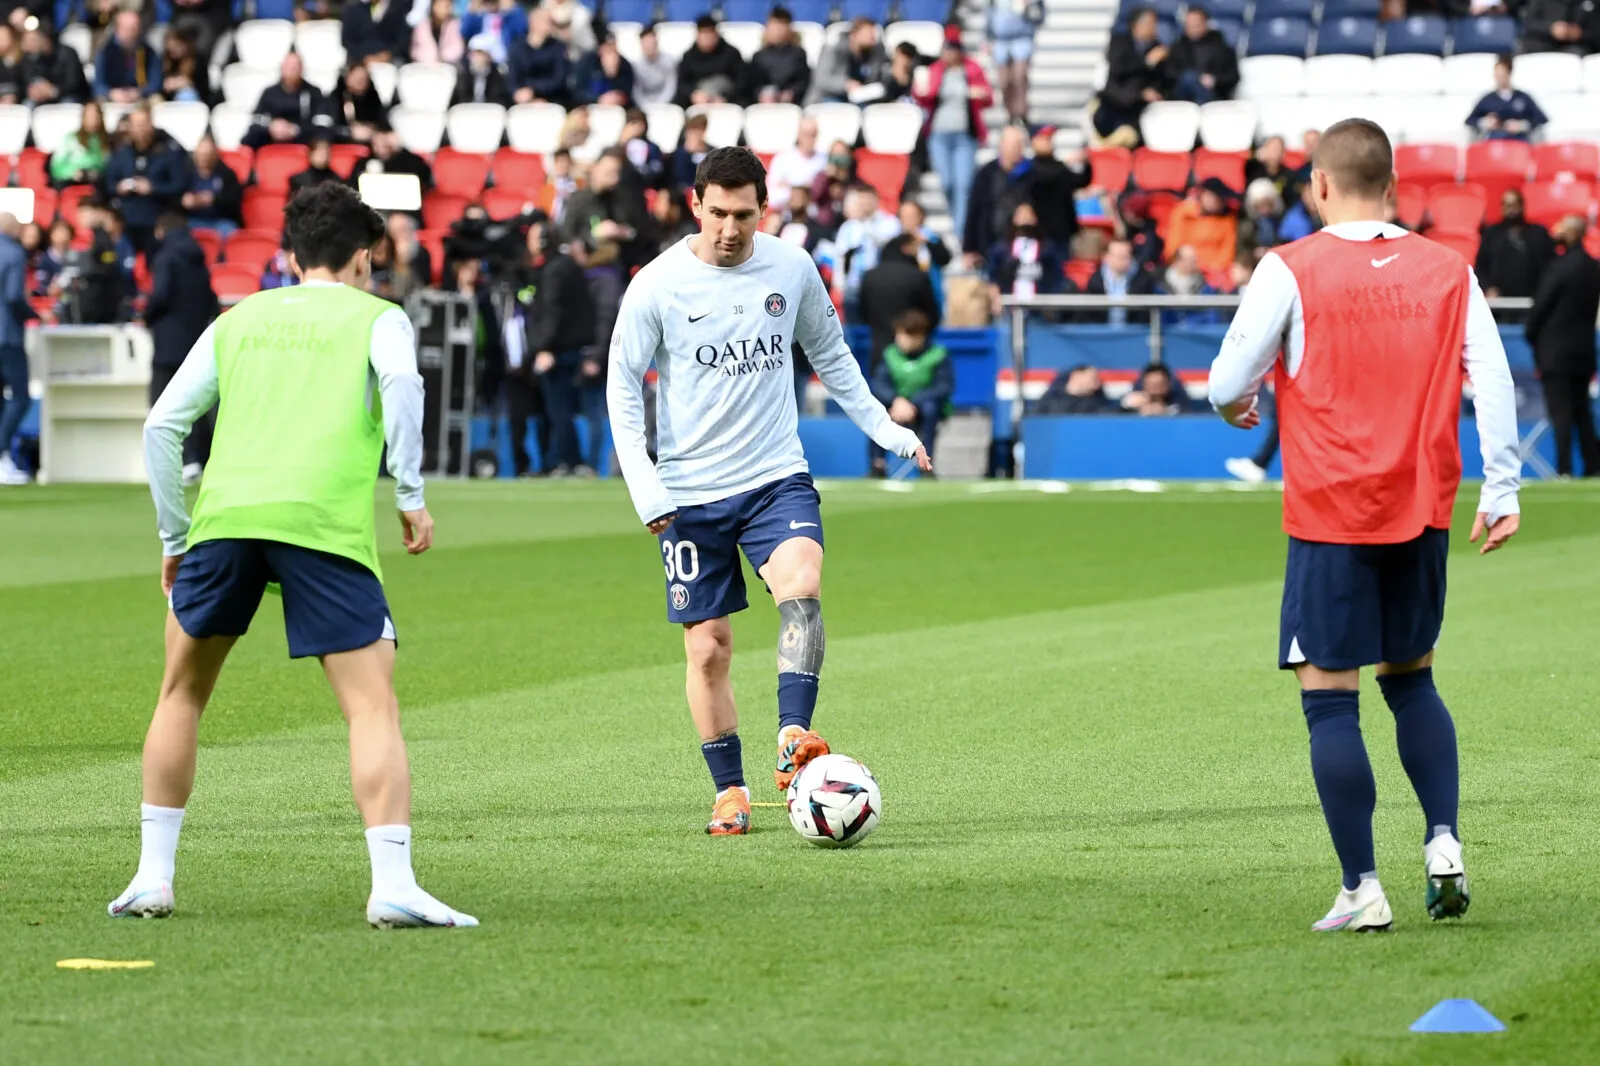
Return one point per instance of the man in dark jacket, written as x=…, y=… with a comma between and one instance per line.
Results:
x=997, y=188
x=146, y=176
x=1513, y=255
x=1560, y=26
x=480, y=81
x=290, y=111
x=317, y=169
x=603, y=76
x=778, y=72
x=1054, y=183
x=1120, y=274
x=127, y=69
x=14, y=315
x=560, y=329
x=1561, y=329
x=1203, y=66
x=1136, y=75
x=50, y=75
x=538, y=64
x=712, y=71
x=376, y=31
x=611, y=210
x=181, y=306
x=855, y=60
x=896, y=285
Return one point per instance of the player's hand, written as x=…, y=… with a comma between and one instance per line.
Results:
x=660, y=525
x=1498, y=533
x=1246, y=414
x=416, y=530
x=924, y=460
x=169, y=573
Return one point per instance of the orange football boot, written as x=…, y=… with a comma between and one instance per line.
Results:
x=796, y=747
x=731, y=814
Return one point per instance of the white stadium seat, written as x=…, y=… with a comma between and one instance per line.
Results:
x=244, y=84
x=1170, y=126
x=1437, y=119
x=1591, y=73
x=892, y=128
x=1337, y=75
x=476, y=127
x=745, y=36
x=605, y=125
x=1271, y=77
x=724, y=123
x=1324, y=111
x=1589, y=131
x=1284, y=117
x=770, y=128
x=836, y=122
x=1228, y=125
x=812, y=38
x=115, y=113
x=80, y=39
x=317, y=41
x=675, y=38
x=420, y=131
x=627, y=37
x=1408, y=75
x=926, y=37
x=229, y=123
x=1546, y=72
x=264, y=42
x=384, y=77
x=15, y=124
x=426, y=86
x=324, y=78
x=1470, y=73
x=184, y=122
x=535, y=127
x=1567, y=109
x=54, y=123
x=665, y=125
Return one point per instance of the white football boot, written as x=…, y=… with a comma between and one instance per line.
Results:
x=1447, y=877
x=144, y=898
x=1246, y=470
x=414, y=909
x=1360, y=910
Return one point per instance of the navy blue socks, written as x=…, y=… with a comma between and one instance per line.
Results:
x=797, y=699
x=1344, y=778
x=1426, y=737
x=725, y=760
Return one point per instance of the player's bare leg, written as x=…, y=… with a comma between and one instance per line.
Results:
x=187, y=680
x=794, y=574
x=708, y=647
x=1426, y=736
x=363, y=682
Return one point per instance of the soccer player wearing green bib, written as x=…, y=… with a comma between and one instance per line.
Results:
x=311, y=381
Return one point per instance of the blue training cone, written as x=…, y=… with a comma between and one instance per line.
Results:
x=1458, y=1016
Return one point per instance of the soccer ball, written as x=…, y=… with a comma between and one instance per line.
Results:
x=834, y=801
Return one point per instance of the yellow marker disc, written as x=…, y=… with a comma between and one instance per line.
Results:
x=104, y=964
x=769, y=805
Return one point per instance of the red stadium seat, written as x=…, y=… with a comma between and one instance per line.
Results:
x=1411, y=205
x=522, y=171
x=1465, y=243
x=344, y=157
x=460, y=173
x=1161, y=170
x=209, y=243
x=233, y=283
x=1294, y=158
x=251, y=251
x=44, y=307
x=44, y=204
x=240, y=161
x=263, y=210
x=1110, y=168
x=507, y=202
x=1229, y=166
x=1498, y=166
x=1427, y=164
x=67, y=203
x=1081, y=270
x=440, y=209
x=1591, y=243
x=433, y=241
x=1457, y=208
x=30, y=170
x=885, y=172
x=1547, y=202
x=277, y=163
x=1161, y=205
x=1567, y=161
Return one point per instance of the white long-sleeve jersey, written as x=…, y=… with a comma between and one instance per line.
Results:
x=722, y=341
x=1270, y=317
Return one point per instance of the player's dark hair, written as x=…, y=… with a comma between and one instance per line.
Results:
x=913, y=322
x=705, y=22
x=909, y=50
x=779, y=13
x=1137, y=13
x=731, y=168
x=328, y=224
x=1503, y=60
x=1357, y=157
x=1198, y=9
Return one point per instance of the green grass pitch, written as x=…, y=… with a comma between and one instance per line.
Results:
x=1101, y=843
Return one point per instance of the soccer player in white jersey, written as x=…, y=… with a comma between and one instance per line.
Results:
x=719, y=315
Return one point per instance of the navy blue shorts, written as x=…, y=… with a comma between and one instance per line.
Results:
x=1351, y=605
x=330, y=603
x=701, y=547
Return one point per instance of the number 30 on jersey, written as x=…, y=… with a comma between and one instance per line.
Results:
x=682, y=559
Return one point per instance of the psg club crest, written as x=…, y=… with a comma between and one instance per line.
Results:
x=776, y=305
x=680, y=597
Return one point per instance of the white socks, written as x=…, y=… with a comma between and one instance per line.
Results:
x=390, y=848
x=158, y=832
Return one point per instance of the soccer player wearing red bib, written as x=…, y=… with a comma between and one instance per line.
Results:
x=1369, y=332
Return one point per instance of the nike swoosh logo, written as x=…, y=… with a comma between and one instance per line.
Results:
x=801, y=525
x=397, y=843
x=695, y=318
x=1385, y=262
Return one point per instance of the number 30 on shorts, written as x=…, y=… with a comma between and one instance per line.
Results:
x=682, y=559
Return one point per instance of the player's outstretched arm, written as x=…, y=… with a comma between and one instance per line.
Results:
x=1253, y=340
x=1494, y=400
x=817, y=329
x=190, y=394
x=635, y=343
x=393, y=358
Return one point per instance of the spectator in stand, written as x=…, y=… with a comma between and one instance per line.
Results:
x=797, y=222
x=378, y=31
x=1208, y=223
x=914, y=380
x=1186, y=277
x=798, y=166
x=1561, y=329
x=203, y=21
x=611, y=210
x=538, y=64
x=687, y=158
x=358, y=108
x=1078, y=391
x=1025, y=264
x=1011, y=26
x=673, y=223
x=606, y=284
x=575, y=131
x=603, y=77
x=1156, y=393
x=471, y=285
x=504, y=21
x=127, y=69
x=997, y=188
x=1506, y=114
x=712, y=70
x=1308, y=148
x=146, y=175
x=1301, y=219
x=33, y=247
x=1267, y=163
x=1136, y=75
x=778, y=73
x=1203, y=66
x=389, y=156
x=1514, y=254
x=412, y=266
x=276, y=274
x=655, y=76
x=81, y=157
x=183, y=70
x=54, y=259
x=437, y=39
x=899, y=77
x=1120, y=275
x=560, y=330
x=559, y=184
x=574, y=25
x=14, y=317
x=12, y=83
x=1559, y=26
x=290, y=111
x=50, y=75
x=1263, y=215
x=643, y=154
x=952, y=101
x=859, y=243
x=896, y=285
x=317, y=169
x=480, y=80
x=181, y=306
x=1054, y=186
x=854, y=61
x=105, y=269
x=214, y=197
x=1136, y=226
x=932, y=253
